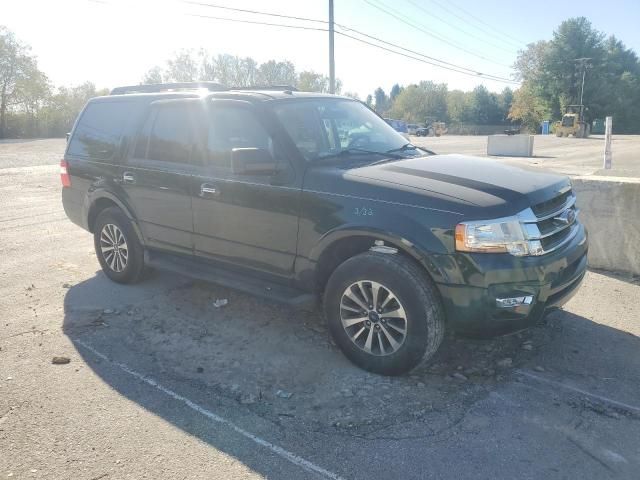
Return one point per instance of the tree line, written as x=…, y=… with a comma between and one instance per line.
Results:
x=30, y=106
x=427, y=102
x=550, y=72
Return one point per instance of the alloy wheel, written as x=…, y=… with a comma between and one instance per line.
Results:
x=113, y=246
x=373, y=318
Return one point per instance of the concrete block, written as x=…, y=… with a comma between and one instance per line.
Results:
x=610, y=209
x=510, y=145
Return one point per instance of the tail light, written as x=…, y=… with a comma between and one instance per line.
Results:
x=64, y=173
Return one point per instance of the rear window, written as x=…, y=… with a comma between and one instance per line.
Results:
x=99, y=129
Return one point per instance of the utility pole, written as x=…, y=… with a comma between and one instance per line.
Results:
x=584, y=64
x=332, y=64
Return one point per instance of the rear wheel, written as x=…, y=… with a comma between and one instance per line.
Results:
x=117, y=246
x=384, y=313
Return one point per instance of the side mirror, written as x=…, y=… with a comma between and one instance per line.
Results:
x=252, y=161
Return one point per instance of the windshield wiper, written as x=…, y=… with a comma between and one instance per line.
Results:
x=410, y=146
x=403, y=148
x=362, y=151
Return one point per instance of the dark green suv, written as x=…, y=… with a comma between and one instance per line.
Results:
x=299, y=196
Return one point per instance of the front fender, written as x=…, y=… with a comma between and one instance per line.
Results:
x=426, y=246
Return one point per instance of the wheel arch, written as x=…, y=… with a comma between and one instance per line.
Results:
x=104, y=199
x=339, y=246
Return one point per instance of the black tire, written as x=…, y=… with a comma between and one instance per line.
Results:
x=416, y=293
x=133, y=269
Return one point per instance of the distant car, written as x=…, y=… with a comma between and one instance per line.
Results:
x=435, y=129
x=412, y=127
x=399, y=126
x=422, y=132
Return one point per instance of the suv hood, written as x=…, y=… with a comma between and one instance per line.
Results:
x=468, y=181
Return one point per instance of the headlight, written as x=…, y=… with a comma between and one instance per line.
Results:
x=504, y=235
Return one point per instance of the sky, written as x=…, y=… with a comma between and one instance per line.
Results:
x=114, y=42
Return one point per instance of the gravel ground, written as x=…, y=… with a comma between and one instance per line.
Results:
x=161, y=384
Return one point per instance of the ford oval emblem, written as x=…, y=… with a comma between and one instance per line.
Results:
x=568, y=217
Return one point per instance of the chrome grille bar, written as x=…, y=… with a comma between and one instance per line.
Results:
x=532, y=223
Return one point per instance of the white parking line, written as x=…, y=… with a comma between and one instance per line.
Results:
x=608, y=400
x=287, y=455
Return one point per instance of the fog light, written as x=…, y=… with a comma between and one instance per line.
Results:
x=514, y=301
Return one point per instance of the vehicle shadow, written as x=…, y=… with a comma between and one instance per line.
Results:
x=253, y=359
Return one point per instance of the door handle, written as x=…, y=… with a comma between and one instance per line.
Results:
x=128, y=177
x=208, y=190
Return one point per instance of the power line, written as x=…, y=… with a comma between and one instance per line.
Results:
x=398, y=16
x=443, y=62
x=440, y=63
x=242, y=10
x=446, y=22
x=493, y=30
x=467, y=72
x=427, y=59
x=257, y=22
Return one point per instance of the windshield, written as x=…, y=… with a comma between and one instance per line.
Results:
x=328, y=127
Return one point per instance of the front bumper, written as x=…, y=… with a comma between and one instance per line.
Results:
x=479, y=279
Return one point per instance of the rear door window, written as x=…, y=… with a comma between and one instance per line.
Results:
x=170, y=139
x=167, y=135
x=234, y=127
x=99, y=129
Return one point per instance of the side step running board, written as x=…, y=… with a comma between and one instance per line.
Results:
x=227, y=278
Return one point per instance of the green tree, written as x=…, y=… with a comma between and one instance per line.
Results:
x=395, y=91
x=505, y=99
x=410, y=105
x=277, y=73
x=420, y=103
x=458, y=106
x=381, y=100
x=21, y=82
x=552, y=72
x=310, y=81
x=528, y=109
x=64, y=106
x=483, y=107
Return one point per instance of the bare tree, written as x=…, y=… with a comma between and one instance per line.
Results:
x=154, y=75
x=184, y=67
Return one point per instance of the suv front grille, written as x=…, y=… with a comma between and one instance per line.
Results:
x=550, y=206
x=553, y=222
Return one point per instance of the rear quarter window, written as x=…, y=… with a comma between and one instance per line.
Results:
x=99, y=129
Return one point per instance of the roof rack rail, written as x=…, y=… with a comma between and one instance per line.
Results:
x=163, y=87
x=277, y=88
x=211, y=86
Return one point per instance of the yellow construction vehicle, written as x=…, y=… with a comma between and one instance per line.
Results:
x=573, y=123
x=433, y=129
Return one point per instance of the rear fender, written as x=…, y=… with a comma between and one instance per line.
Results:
x=99, y=192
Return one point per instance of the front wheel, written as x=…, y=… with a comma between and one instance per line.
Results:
x=118, y=248
x=384, y=313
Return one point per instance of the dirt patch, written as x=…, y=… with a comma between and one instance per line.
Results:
x=282, y=364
